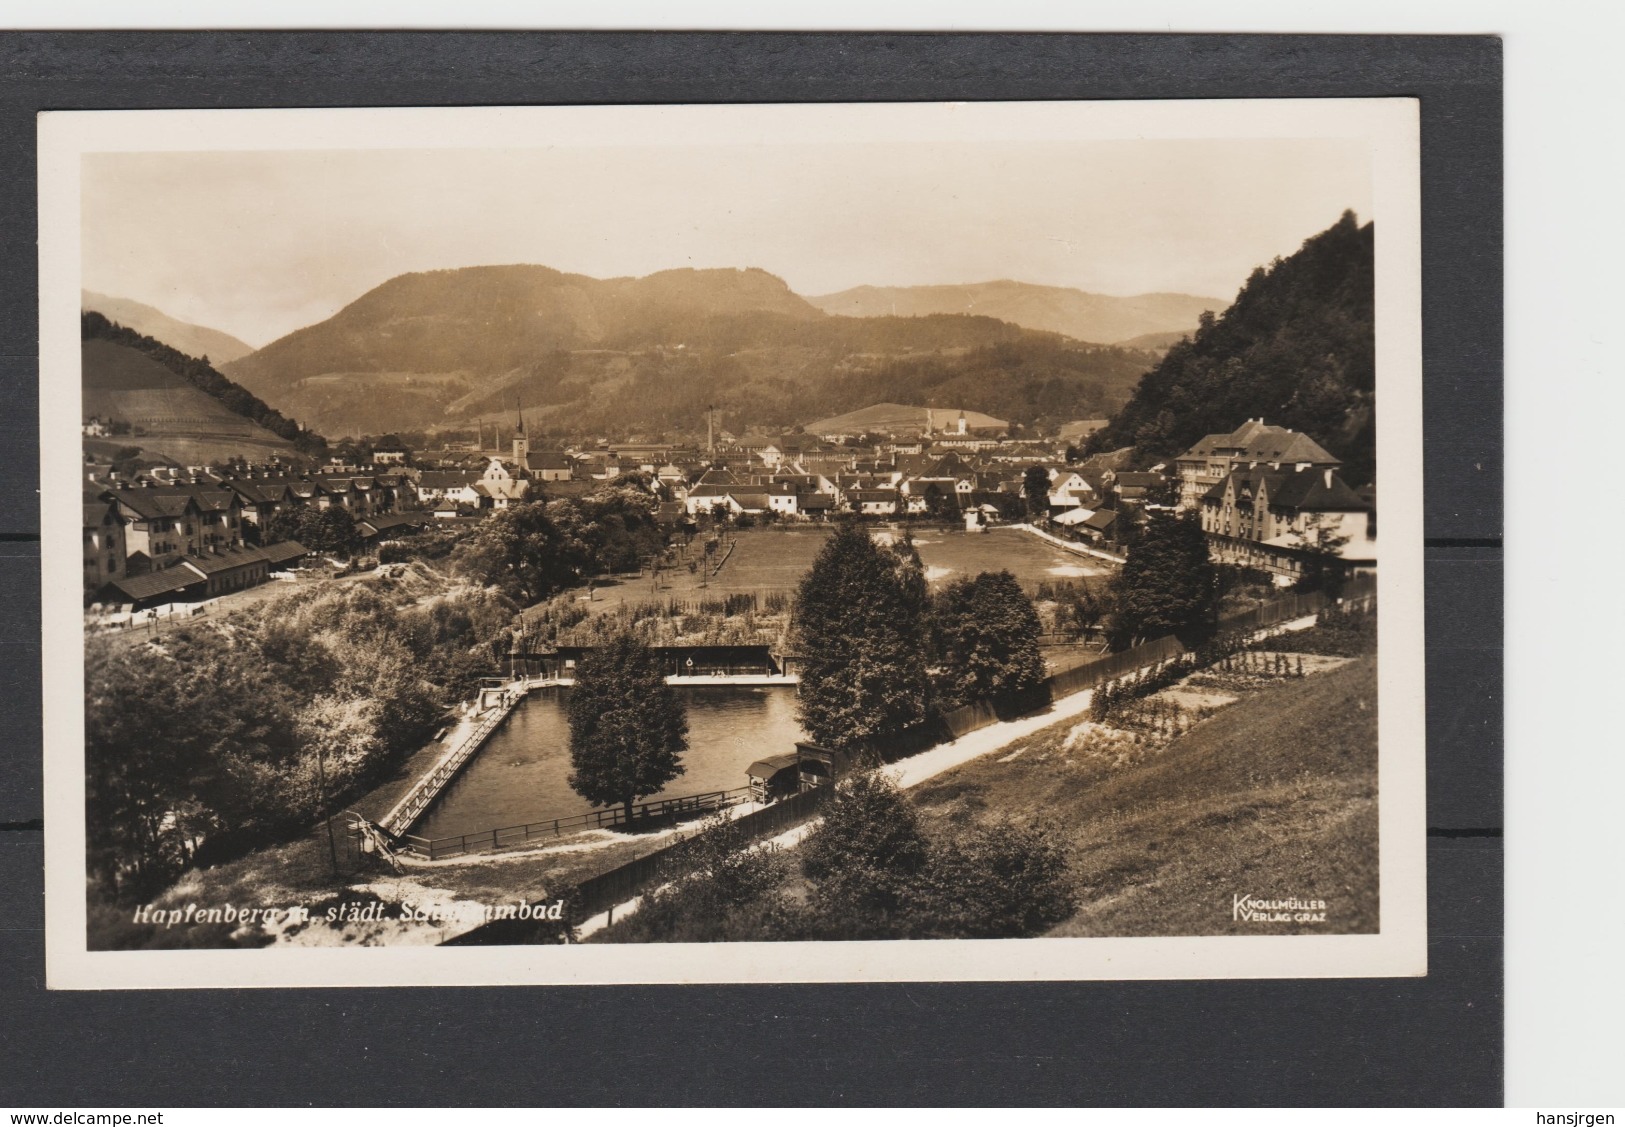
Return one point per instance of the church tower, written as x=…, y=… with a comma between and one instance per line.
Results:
x=521, y=443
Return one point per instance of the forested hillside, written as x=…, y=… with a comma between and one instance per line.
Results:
x=119, y=389
x=485, y=320
x=1297, y=348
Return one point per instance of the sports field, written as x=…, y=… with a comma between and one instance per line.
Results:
x=954, y=555
x=763, y=561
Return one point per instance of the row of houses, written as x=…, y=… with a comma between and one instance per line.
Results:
x=145, y=545
x=169, y=535
x=947, y=484
x=1263, y=494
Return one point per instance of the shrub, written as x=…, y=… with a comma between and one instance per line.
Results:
x=876, y=875
x=1000, y=881
x=721, y=888
x=864, y=854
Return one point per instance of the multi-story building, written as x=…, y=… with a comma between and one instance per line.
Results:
x=262, y=495
x=1252, y=445
x=220, y=519
x=161, y=527
x=104, y=550
x=1272, y=519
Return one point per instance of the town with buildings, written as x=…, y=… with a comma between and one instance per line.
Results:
x=171, y=534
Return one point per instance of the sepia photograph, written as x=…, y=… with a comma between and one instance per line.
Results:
x=733, y=543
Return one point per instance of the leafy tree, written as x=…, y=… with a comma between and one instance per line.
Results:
x=1088, y=609
x=205, y=744
x=1168, y=585
x=860, y=626
x=1322, y=543
x=1129, y=524
x=133, y=772
x=875, y=874
x=916, y=591
x=628, y=730
x=1035, y=488
x=1011, y=507
x=518, y=551
x=938, y=504
x=321, y=530
x=534, y=549
x=988, y=633
x=1164, y=492
x=723, y=887
x=613, y=529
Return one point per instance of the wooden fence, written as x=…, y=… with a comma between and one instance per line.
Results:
x=648, y=813
x=604, y=891
x=1359, y=590
x=962, y=721
x=1112, y=666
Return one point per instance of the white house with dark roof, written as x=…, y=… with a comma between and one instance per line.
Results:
x=1272, y=518
x=549, y=465
x=1068, y=489
x=455, y=487
x=500, y=486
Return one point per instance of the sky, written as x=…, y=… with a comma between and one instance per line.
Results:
x=260, y=243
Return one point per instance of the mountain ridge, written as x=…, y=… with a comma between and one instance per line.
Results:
x=1079, y=314
x=183, y=336
x=532, y=309
x=638, y=354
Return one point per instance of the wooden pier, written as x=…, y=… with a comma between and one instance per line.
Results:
x=410, y=808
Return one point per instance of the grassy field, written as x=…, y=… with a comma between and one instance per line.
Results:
x=1274, y=795
x=179, y=422
x=768, y=560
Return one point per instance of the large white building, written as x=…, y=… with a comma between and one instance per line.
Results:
x=1253, y=445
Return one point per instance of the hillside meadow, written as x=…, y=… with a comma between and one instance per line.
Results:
x=1273, y=795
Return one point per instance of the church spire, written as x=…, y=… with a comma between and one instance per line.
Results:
x=521, y=444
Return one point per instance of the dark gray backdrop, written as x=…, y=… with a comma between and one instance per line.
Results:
x=1435, y=1040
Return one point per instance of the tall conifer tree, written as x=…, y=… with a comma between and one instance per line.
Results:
x=860, y=621
x=1168, y=585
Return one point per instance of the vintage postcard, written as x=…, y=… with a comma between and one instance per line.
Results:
x=752, y=543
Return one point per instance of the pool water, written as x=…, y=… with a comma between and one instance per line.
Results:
x=522, y=773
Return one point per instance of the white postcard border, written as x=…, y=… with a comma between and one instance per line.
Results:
x=1389, y=125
